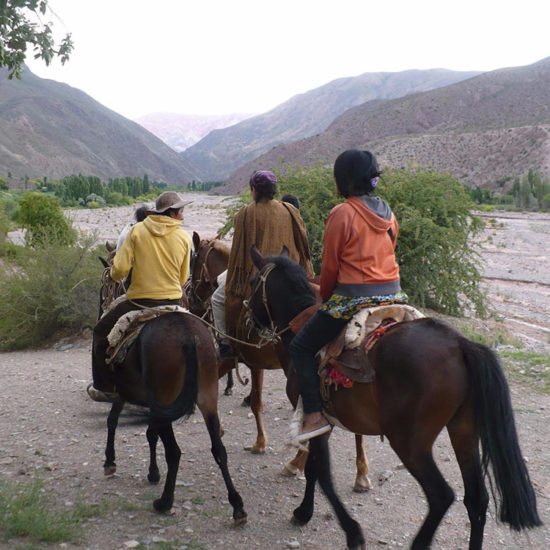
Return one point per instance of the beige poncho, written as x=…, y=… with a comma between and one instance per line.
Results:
x=269, y=224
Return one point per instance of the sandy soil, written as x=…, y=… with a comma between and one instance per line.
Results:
x=52, y=431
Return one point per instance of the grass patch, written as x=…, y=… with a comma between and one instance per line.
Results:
x=529, y=367
x=26, y=512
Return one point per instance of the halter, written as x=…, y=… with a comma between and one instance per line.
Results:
x=268, y=334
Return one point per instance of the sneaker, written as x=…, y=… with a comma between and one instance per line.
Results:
x=313, y=430
x=101, y=396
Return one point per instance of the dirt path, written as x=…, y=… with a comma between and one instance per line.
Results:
x=53, y=432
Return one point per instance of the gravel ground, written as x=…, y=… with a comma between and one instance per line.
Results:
x=53, y=432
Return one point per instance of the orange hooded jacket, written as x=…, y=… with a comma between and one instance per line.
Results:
x=359, y=250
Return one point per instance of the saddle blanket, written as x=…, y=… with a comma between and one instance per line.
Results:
x=128, y=327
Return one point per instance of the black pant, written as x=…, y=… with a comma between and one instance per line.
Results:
x=318, y=331
x=102, y=375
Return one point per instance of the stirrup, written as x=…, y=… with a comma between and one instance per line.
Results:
x=101, y=396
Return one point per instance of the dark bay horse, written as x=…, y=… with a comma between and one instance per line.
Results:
x=171, y=366
x=428, y=377
x=210, y=258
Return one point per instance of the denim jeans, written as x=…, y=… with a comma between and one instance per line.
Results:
x=318, y=331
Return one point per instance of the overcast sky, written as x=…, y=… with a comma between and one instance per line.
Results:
x=247, y=56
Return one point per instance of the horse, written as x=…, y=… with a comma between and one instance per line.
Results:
x=209, y=260
x=170, y=367
x=428, y=377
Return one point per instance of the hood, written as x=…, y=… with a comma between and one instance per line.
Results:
x=374, y=210
x=159, y=226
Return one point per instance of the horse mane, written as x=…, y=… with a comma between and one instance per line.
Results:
x=221, y=246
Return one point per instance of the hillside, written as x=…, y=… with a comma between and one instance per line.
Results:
x=223, y=151
x=181, y=131
x=482, y=130
x=51, y=129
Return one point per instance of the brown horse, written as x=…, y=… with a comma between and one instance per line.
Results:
x=209, y=260
x=171, y=366
x=428, y=377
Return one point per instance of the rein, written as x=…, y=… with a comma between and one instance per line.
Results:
x=269, y=334
x=204, y=275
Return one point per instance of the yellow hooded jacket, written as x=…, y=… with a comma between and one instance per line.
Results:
x=159, y=251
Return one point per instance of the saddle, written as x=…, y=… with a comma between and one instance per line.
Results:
x=345, y=359
x=127, y=329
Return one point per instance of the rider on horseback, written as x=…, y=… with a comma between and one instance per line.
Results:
x=358, y=270
x=269, y=224
x=158, y=250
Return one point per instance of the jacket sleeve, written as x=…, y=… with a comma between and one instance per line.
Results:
x=122, y=262
x=334, y=239
x=184, y=273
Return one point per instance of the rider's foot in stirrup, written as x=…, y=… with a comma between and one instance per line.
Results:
x=225, y=351
x=315, y=424
x=100, y=395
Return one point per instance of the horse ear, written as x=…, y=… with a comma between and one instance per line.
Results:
x=257, y=258
x=196, y=241
x=285, y=251
x=219, y=235
x=103, y=261
x=110, y=247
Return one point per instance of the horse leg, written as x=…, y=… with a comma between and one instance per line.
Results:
x=257, y=407
x=319, y=451
x=172, y=453
x=109, y=466
x=418, y=459
x=466, y=447
x=303, y=513
x=296, y=465
x=362, y=481
x=152, y=437
x=229, y=386
x=220, y=456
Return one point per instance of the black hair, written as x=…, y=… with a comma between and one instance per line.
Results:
x=264, y=188
x=141, y=213
x=169, y=210
x=354, y=171
x=291, y=199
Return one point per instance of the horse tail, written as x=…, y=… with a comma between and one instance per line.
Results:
x=494, y=418
x=184, y=404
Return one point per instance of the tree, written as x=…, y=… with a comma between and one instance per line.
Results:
x=435, y=248
x=21, y=25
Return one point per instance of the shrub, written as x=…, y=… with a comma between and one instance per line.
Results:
x=54, y=288
x=43, y=218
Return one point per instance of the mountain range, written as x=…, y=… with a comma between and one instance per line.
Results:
x=180, y=131
x=51, y=129
x=485, y=130
x=223, y=150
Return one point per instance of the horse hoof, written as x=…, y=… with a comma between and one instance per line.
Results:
x=160, y=506
x=255, y=449
x=109, y=470
x=362, y=486
x=240, y=517
x=289, y=470
x=245, y=402
x=297, y=521
x=153, y=479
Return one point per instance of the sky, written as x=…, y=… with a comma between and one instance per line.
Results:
x=214, y=57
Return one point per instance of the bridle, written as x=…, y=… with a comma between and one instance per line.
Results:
x=204, y=275
x=267, y=334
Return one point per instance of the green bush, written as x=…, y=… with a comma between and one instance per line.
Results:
x=435, y=251
x=53, y=289
x=43, y=218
